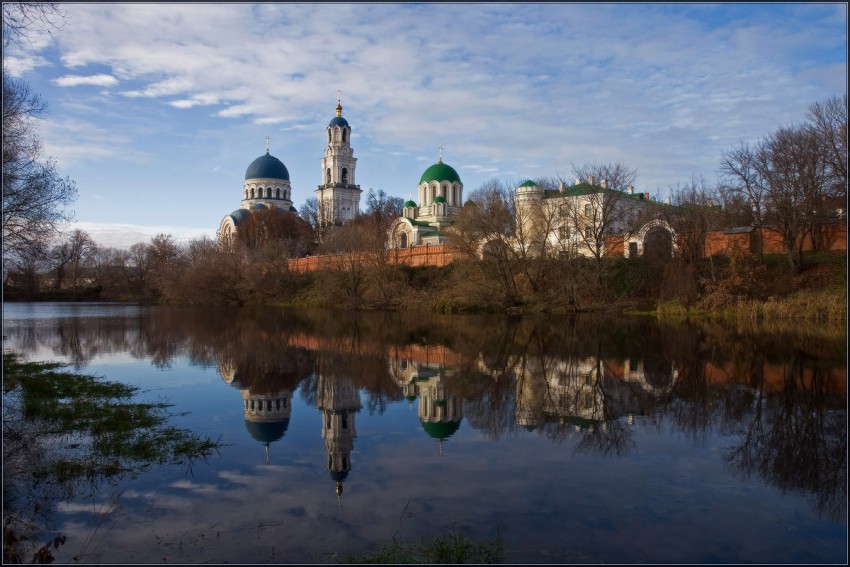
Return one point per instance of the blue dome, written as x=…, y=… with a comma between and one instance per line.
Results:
x=267, y=167
x=267, y=431
x=338, y=121
x=258, y=207
x=239, y=215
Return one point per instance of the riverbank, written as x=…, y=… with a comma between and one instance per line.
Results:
x=731, y=286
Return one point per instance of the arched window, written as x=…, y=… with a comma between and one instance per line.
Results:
x=343, y=134
x=344, y=175
x=329, y=135
x=328, y=176
x=268, y=192
x=402, y=240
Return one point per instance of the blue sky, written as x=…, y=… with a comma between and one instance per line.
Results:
x=156, y=110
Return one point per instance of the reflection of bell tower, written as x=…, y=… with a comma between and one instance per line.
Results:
x=338, y=400
x=439, y=412
x=530, y=395
x=405, y=373
x=267, y=415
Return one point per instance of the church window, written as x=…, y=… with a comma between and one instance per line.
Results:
x=344, y=175
x=269, y=405
x=328, y=175
x=345, y=421
x=252, y=404
x=329, y=135
x=344, y=463
x=343, y=134
x=587, y=209
x=330, y=462
x=588, y=232
x=402, y=240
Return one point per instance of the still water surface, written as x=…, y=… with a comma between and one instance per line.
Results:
x=576, y=440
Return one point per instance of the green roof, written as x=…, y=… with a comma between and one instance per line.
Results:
x=440, y=429
x=440, y=172
x=581, y=189
x=417, y=222
x=529, y=183
x=439, y=199
x=410, y=204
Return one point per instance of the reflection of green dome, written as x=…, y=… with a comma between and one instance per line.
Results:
x=440, y=403
x=267, y=431
x=267, y=167
x=440, y=172
x=440, y=429
x=410, y=398
x=530, y=428
x=439, y=199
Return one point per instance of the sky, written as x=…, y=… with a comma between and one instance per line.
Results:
x=156, y=110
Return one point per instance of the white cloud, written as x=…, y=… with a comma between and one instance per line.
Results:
x=77, y=80
x=124, y=235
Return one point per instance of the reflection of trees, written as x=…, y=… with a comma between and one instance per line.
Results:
x=797, y=439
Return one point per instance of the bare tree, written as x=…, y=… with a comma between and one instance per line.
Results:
x=34, y=195
x=27, y=21
x=601, y=207
x=743, y=179
x=828, y=119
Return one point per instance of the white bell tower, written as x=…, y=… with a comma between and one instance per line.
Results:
x=338, y=196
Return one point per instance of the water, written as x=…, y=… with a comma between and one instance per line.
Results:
x=576, y=441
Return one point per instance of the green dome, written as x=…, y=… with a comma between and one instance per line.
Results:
x=529, y=183
x=410, y=204
x=440, y=429
x=267, y=167
x=439, y=199
x=440, y=172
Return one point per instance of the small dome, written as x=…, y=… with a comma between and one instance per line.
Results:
x=339, y=476
x=258, y=207
x=529, y=183
x=410, y=204
x=338, y=122
x=292, y=209
x=267, y=167
x=440, y=172
x=239, y=215
x=439, y=199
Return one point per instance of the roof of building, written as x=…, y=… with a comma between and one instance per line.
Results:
x=529, y=183
x=239, y=215
x=439, y=199
x=581, y=189
x=410, y=204
x=267, y=167
x=440, y=172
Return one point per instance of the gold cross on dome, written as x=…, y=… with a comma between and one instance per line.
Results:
x=338, y=96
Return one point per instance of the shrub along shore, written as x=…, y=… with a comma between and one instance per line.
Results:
x=740, y=286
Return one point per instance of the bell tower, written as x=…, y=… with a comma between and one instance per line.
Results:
x=338, y=196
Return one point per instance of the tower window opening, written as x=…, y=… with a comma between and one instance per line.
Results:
x=328, y=175
x=343, y=134
x=345, y=175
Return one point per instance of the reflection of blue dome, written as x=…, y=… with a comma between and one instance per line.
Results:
x=440, y=429
x=267, y=431
x=267, y=167
x=338, y=121
x=339, y=476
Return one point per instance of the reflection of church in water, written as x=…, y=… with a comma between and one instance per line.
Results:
x=267, y=407
x=439, y=411
x=586, y=392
